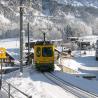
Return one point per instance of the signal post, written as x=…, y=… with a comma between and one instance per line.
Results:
x=2, y=57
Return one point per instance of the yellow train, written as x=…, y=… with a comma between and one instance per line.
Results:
x=44, y=56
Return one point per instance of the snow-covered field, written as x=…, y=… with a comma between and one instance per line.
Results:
x=84, y=63
x=36, y=85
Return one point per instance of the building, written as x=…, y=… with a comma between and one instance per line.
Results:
x=9, y=61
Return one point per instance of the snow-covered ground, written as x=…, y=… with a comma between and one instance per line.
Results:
x=82, y=63
x=37, y=85
x=3, y=95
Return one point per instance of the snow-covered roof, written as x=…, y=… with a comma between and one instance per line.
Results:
x=14, y=52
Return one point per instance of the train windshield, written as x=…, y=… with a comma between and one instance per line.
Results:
x=47, y=51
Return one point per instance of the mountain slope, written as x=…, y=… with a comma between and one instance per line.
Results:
x=79, y=15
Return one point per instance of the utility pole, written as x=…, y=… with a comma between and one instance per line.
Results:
x=1, y=73
x=21, y=36
x=44, y=36
x=28, y=45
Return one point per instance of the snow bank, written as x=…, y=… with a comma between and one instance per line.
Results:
x=35, y=84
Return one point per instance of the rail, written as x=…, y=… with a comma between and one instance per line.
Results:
x=78, y=92
x=7, y=87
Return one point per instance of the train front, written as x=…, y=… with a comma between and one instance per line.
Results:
x=44, y=57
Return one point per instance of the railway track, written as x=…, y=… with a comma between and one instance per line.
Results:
x=78, y=92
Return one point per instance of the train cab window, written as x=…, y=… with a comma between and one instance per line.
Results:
x=38, y=52
x=47, y=51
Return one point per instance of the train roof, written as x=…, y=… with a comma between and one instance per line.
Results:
x=43, y=43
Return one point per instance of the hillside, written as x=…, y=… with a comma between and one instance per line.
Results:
x=68, y=18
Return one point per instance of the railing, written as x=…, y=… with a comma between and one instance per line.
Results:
x=10, y=89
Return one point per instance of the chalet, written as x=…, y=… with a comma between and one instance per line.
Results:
x=9, y=61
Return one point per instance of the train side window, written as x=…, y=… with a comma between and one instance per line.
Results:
x=38, y=52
